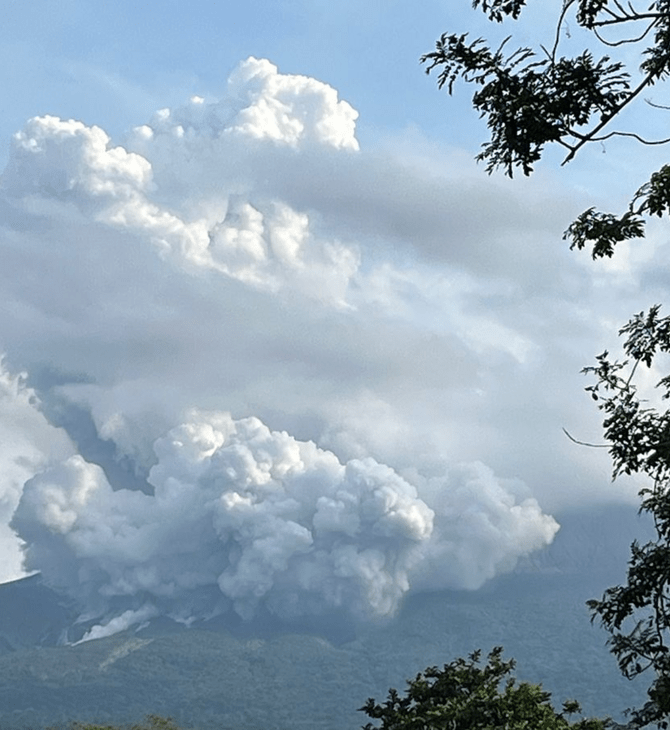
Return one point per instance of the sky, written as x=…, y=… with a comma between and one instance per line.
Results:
x=272, y=340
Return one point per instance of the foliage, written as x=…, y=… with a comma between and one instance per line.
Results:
x=466, y=695
x=637, y=615
x=533, y=98
x=151, y=722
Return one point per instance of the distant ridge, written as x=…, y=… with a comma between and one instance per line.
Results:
x=31, y=614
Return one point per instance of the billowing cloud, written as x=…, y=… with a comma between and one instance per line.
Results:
x=29, y=443
x=242, y=516
x=369, y=375
x=266, y=243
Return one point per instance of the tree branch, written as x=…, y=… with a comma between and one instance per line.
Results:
x=656, y=106
x=584, y=443
x=614, y=44
x=608, y=118
x=557, y=39
x=617, y=20
x=630, y=134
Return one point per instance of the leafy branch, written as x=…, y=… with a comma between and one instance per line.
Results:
x=637, y=614
x=531, y=101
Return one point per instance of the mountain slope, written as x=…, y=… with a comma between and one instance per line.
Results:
x=275, y=677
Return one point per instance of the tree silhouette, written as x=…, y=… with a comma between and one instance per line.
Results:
x=465, y=695
x=532, y=98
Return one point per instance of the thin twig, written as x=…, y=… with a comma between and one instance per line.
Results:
x=656, y=106
x=557, y=39
x=630, y=134
x=632, y=373
x=584, y=443
x=614, y=44
x=617, y=20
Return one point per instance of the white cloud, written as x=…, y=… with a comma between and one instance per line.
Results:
x=268, y=520
x=267, y=244
x=29, y=443
x=288, y=109
x=243, y=256
x=67, y=160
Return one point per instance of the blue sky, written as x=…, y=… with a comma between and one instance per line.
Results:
x=310, y=246
x=112, y=63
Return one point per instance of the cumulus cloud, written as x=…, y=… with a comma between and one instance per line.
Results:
x=243, y=516
x=29, y=443
x=67, y=160
x=288, y=109
x=266, y=243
